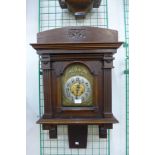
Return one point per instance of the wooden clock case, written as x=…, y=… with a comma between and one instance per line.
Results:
x=92, y=47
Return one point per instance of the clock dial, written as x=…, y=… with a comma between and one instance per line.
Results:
x=77, y=89
x=77, y=86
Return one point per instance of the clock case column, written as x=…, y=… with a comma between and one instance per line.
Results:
x=48, y=91
x=81, y=45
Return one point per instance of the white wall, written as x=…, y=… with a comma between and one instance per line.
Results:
x=116, y=21
x=32, y=106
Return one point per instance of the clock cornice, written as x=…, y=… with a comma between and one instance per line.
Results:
x=76, y=46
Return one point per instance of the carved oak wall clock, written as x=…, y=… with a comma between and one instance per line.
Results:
x=77, y=64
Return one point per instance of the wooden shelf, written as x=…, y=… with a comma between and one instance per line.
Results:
x=84, y=121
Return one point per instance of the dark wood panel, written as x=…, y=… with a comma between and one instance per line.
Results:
x=48, y=107
x=77, y=135
x=80, y=34
x=107, y=93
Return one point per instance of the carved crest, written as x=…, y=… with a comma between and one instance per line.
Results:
x=77, y=34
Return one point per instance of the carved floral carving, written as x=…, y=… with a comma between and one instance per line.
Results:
x=77, y=34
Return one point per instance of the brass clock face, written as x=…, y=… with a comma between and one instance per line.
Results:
x=77, y=86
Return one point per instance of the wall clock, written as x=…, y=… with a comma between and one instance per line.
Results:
x=77, y=75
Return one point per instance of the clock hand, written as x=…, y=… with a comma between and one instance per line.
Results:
x=77, y=90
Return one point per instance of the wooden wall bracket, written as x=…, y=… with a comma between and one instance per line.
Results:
x=52, y=130
x=102, y=132
x=79, y=7
x=77, y=136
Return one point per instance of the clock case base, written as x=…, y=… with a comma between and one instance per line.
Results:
x=76, y=139
x=92, y=47
x=77, y=130
x=77, y=133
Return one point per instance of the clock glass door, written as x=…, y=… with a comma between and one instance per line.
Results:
x=77, y=86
